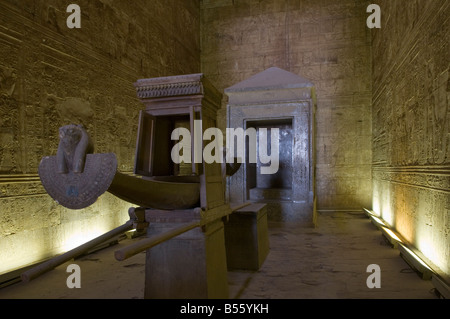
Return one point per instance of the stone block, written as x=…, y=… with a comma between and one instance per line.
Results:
x=246, y=237
x=190, y=266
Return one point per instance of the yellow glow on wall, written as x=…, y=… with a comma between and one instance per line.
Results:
x=14, y=255
x=386, y=212
x=375, y=200
x=76, y=239
x=419, y=219
x=429, y=252
x=73, y=228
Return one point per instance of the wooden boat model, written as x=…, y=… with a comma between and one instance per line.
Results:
x=80, y=190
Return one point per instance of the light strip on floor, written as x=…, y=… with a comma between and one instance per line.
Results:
x=411, y=258
x=415, y=262
x=378, y=222
x=441, y=286
x=374, y=219
x=368, y=212
x=392, y=237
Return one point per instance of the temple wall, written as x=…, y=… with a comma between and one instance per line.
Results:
x=411, y=140
x=328, y=43
x=52, y=76
x=382, y=137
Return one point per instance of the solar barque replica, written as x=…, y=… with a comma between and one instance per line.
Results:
x=193, y=234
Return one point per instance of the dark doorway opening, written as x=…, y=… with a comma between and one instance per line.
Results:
x=277, y=186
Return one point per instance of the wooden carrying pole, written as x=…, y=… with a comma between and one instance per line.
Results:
x=61, y=259
x=148, y=243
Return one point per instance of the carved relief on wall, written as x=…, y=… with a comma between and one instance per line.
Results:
x=9, y=130
x=411, y=137
x=51, y=76
x=432, y=179
x=440, y=119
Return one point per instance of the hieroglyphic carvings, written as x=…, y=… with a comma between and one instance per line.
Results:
x=170, y=89
x=12, y=186
x=51, y=76
x=9, y=131
x=411, y=118
x=436, y=179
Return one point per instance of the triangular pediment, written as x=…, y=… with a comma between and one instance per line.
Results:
x=272, y=78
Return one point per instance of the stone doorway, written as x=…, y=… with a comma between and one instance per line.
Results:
x=276, y=186
x=276, y=98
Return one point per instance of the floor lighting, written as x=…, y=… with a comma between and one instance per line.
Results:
x=392, y=237
x=374, y=219
x=441, y=286
x=415, y=262
x=368, y=212
x=377, y=222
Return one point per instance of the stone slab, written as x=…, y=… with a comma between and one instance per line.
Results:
x=246, y=237
x=192, y=265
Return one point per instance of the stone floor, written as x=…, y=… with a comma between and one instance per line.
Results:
x=329, y=261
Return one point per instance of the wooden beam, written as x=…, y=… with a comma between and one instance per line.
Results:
x=61, y=259
x=148, y=243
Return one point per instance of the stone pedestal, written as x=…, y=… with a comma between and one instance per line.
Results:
x=246, y=237
x=192, y=265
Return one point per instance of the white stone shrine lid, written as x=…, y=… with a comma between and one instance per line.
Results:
x=271, y=79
